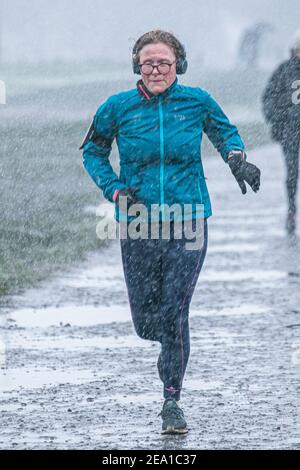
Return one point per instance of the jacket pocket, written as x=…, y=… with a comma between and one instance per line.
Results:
x=186, y=189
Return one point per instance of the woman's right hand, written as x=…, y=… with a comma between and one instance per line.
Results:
x=127, y=192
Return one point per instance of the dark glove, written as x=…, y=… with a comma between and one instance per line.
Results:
x=244, y=171
x=129, y=193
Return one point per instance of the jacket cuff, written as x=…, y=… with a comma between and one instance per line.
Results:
x=236, y=152
x=111, y=194
x=116, y=194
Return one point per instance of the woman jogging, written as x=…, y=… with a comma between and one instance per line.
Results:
x=158, y=129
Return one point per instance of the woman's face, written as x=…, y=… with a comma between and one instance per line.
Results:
x=155, y=54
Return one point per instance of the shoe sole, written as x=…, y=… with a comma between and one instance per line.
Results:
x=172, y=430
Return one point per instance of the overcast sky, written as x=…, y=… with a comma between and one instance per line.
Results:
x=77, y=29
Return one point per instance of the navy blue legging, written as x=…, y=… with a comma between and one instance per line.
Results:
x=161, y=275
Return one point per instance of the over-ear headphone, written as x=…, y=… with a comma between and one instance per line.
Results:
x=181, y=62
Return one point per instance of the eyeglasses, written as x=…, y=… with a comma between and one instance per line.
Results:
x=163, y=68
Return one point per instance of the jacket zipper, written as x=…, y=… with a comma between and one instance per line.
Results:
x=162, y=157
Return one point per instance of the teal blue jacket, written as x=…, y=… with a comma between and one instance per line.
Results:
x=159, y=142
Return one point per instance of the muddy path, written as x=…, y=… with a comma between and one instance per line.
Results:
x=74, y=375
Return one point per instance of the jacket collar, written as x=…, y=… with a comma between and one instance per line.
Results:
x=148, y=95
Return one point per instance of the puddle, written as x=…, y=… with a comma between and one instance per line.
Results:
x=229, y=311
x=234, y=247
x=224, y=234
x=253, y=276
x=242, y=220
x=74, y=315
x=66, y=343
x=28, y=378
